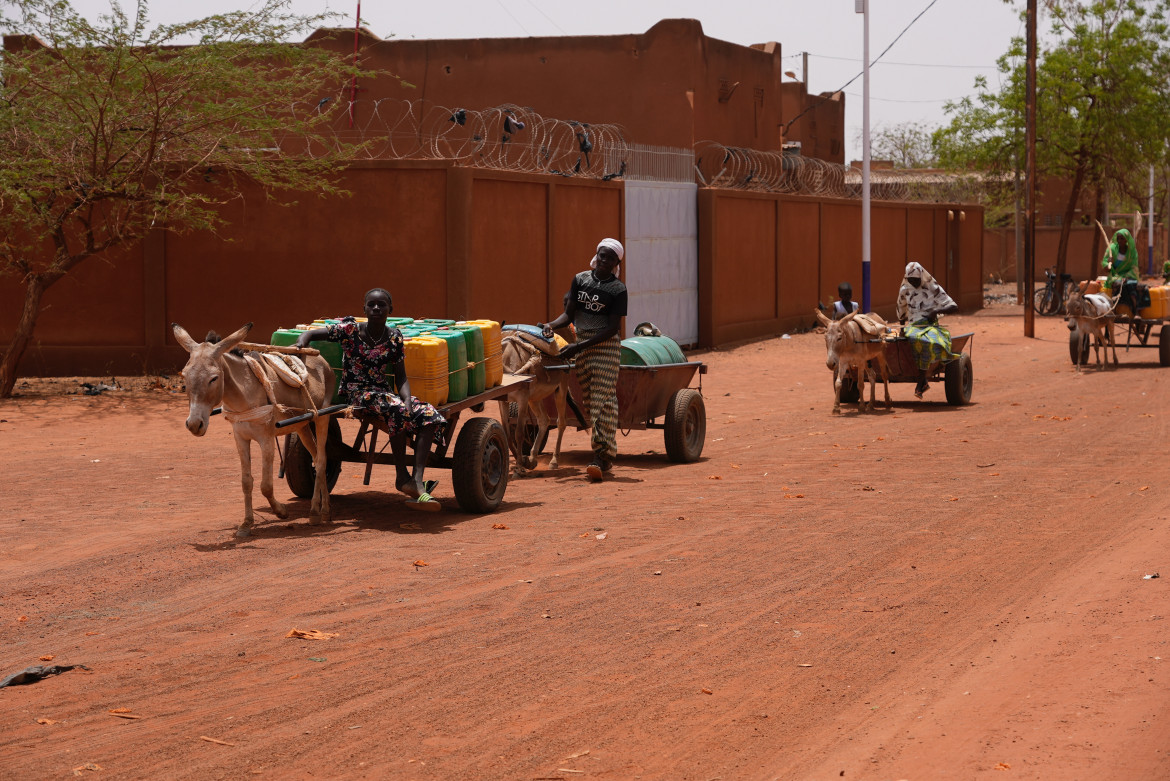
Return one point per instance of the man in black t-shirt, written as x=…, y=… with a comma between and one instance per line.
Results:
x=596, y=305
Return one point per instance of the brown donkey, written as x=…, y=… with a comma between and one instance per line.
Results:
x=215, y=375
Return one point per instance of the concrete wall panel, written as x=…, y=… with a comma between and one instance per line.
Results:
x=662, y=247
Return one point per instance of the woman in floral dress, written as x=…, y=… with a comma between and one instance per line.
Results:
x=368, y=350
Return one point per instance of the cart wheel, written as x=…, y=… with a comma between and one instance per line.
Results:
x=298, y=465
x=1078, y=349
x=1164, y=346
x=850, y=393
x=686, y=426
x=480, y=471
x=530, y=430
x=958, y=380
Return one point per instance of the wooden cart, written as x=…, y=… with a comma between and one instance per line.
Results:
x=479, y=465
x=645, y=394
x=955, y=373
x=1136, y=332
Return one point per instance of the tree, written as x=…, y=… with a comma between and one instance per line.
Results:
x=1102, y=100
x=109, y=130
x=907, y=145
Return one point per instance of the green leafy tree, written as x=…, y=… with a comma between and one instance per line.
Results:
x=1102, y=100
x=109, y=130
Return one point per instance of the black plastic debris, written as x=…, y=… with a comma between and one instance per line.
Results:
x=34, y=674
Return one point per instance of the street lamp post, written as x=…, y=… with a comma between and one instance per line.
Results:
x=862, y=7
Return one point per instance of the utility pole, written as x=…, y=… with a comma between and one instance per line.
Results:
x=1030, y=175
x=862, y=7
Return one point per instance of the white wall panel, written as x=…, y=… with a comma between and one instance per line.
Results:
x=662, y=247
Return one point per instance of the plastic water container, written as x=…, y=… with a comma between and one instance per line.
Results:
x=426, y=369
x=1159, y=304
x=493, y=355
x=434, y=322
x=651, y=351
x=476, y=372
x=330, y=351
x=456, y=363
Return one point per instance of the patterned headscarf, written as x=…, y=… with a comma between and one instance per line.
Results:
x=917, y=303
x=614, y=245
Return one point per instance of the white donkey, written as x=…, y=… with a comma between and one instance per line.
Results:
x=214, y=375
x=522, y=357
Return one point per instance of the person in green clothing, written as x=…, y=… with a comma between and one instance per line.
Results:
x=1121, y=259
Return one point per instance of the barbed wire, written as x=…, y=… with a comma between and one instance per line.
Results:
x=506, y=137
x=515, y=138
x=717, y=165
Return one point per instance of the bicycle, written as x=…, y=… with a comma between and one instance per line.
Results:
x=1051, y=299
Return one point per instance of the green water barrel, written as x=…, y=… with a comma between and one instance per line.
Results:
x=477, y=375
x=398, y=322
x=651, y=351
x=330, y=351
x=457, y=361
x=434, y=322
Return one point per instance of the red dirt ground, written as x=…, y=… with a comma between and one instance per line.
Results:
x=923, y=593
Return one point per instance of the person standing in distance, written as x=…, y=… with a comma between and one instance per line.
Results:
x=596, y=305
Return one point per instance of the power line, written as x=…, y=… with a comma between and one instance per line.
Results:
x=546, y=16
x=900, y=100
x=904, y=64
x=929, y=5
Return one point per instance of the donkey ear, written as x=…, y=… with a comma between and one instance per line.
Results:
x=821, y=316
x=183, y=338
x=232, y=340
x=848, y=317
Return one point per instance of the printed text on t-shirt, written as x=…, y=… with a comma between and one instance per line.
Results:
x=592, y=303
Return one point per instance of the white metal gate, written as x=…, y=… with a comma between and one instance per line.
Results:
x=662, y=245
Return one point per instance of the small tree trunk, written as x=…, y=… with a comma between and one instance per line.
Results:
x=1070, y=211
x=33, y=292
x=1100, y=215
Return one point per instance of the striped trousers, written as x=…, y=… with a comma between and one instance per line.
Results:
x=597, y=371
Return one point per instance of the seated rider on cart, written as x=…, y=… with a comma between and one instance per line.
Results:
x=920, y=301
x=1121, y=267
x=368, y=349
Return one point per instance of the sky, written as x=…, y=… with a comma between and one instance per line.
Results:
x=936, y=59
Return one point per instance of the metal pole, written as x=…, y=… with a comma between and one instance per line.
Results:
x=1030, y=175
x=862, y=6
x=1150, y=225
x=804, y=68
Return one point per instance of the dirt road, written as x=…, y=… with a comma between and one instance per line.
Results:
x=921, y=593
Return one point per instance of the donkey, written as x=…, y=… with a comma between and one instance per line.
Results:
x=850, y=353
x=1089, y=313
x=215, y=374
x=521, y=357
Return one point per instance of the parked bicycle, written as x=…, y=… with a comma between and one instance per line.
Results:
x=1051, y=299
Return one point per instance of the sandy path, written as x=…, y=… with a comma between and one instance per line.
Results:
x=927, y=592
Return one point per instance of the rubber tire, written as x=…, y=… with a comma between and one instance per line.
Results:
x=1042, y=301
x=1164, y=345
x=298, y=465
x=959, y=380
x=686, y=426
x=1072, y=348
x=850, y=393
x=479, y=473
x=530, y=430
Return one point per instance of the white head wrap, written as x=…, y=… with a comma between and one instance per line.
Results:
x=915, y=303
x=612, y=244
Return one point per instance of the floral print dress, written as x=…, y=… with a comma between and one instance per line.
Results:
x=367, y=386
